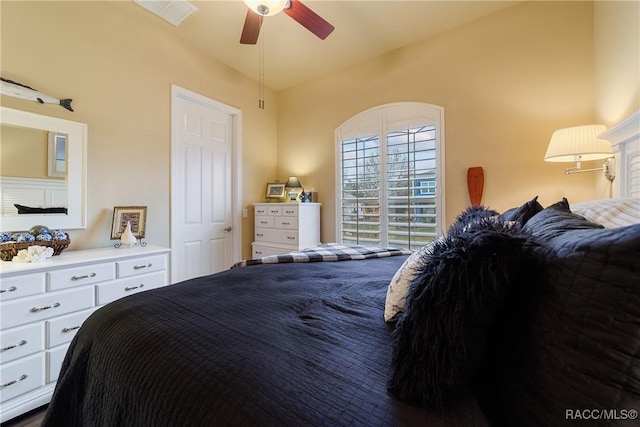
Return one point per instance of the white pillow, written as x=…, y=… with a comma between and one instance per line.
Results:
x=401, y=281
x=611, y=213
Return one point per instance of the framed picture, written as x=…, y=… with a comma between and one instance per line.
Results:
x=275, y=190
x=137, y=215
x=57, y=154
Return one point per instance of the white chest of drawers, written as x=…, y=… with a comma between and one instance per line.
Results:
x=42, y=306
x=285, y=227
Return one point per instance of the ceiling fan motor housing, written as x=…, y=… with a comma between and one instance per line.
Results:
x=267, y=7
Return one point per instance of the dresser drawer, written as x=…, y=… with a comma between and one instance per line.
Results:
x=262, y=251
x=290, y=210
x=108, y=292
x=54, y=360
x=19, y=342
x=62, y=329
x=78, y=276
x=41, y=307
x=274, y=210
x=22, y=286
x=21, y=376
x=261, y=210
x=277, y=236
x=285, y=222
x=265, y=221
x=144, y=265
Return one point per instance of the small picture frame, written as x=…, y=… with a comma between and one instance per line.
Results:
x=275, y=190
x=57, y=153
x=123, y=214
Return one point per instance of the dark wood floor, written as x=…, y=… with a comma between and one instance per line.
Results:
x=30, y=419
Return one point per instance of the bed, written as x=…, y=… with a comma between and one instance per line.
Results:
x=526, y=317
x=301, y=339
x=269, y=345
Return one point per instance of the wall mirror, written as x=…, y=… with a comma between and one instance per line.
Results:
x=43, y=166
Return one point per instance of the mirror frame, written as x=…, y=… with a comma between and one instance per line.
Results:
x=76, y=216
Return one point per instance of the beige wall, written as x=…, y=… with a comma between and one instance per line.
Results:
x=505, y=81
x=617, y=70
x=23, y=152
x=118, y=66
x=617, y=58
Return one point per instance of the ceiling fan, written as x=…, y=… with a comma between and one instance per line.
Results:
x=294, y=8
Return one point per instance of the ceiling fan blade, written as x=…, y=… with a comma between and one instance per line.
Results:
x=251, y=29
x=309, y=19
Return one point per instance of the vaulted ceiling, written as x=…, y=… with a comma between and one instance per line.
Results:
x=364, y=29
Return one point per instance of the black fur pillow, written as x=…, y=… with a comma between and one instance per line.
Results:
x=439, y=340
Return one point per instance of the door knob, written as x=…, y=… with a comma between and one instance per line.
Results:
x=228, y=229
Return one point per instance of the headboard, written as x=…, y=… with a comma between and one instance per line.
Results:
x=625, y=141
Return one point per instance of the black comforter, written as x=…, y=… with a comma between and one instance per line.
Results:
x=269, y=345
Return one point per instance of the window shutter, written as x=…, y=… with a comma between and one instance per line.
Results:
x=411, y=187
x=360, y=194
x=389, y=176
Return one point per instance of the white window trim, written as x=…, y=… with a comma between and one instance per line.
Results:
x=435, y=113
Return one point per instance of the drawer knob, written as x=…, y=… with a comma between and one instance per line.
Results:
x=22, y=378
x=130, y=288
x=291, y=238
x=86, y=276
x=46, y=307
x=73, y=328
x=11, y=289
x=23, y=342
x=138, y=267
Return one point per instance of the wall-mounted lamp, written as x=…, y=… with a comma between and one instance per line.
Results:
x=293, y=183
x=578, y=144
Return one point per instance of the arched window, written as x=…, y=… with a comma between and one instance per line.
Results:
x=391, y=176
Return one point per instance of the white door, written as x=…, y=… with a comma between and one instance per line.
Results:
x=202, y=186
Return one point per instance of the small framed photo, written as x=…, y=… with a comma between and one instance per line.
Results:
x=57, y=154
x=275, y=190
x=137, y=215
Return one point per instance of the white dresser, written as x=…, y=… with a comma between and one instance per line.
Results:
x=42, y=306
x=285, y=227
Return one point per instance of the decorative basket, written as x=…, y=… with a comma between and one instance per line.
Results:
x=9, y=250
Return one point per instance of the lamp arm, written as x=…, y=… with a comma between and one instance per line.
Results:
x=578, y=170
x=607, y=168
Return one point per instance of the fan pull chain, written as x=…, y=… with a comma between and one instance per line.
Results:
x=261, y=74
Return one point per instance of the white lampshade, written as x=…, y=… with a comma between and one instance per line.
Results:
x=266, y=7
x=580, y=143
